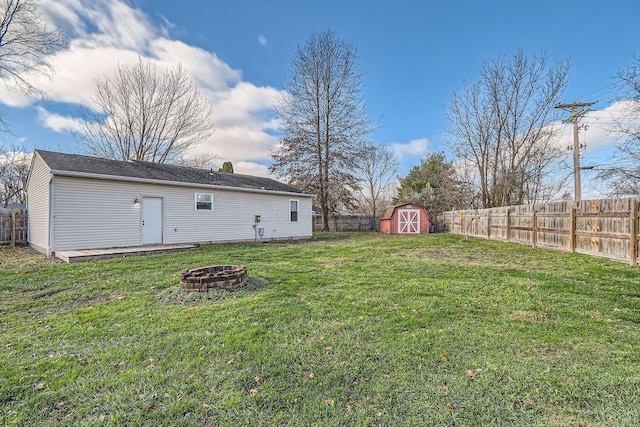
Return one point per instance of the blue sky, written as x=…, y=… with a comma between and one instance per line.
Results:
x=414, y=54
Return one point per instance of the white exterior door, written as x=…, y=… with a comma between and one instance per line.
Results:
x=408, y=221
x=151, y=220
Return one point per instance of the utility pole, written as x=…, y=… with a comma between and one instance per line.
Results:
x=575, y=115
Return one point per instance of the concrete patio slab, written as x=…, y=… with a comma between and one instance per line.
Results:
x=94, y=254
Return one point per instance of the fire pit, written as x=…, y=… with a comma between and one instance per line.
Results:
x=202, y=279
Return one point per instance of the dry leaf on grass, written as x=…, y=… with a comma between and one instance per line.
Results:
x=472, y=374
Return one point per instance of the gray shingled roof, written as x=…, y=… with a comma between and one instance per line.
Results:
x=76, y=163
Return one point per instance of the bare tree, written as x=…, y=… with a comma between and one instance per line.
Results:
x=323, y=121
x=14, y=170
x=199, y=161
x=376, y=168
x=145, y=115
x=501, y=124
x=623, y=175
x=26, y=42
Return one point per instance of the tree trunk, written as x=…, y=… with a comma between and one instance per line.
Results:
x=325, y=218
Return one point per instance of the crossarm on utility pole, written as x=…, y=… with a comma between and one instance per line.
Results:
x=575, y=115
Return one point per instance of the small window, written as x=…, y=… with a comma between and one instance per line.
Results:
x=293, y=210
x=204, y=202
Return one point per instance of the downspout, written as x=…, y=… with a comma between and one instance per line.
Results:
x=51, y=216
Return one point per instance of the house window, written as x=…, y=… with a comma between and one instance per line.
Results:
x=204, y=202
x=293, y=210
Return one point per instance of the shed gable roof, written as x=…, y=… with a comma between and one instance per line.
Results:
x=76, y=163
x=388, y=213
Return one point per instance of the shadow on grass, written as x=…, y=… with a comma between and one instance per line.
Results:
x=177, y=295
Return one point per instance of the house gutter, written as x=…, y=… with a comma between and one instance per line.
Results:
x=173, y=183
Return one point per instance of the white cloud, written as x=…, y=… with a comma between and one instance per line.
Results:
x=244, y=101
x=16, y=158
x=262, y=40
x=599, y=133
x=596, y=130
x=415, y=147
x=243, y=121
x=250, y=168
x=238, y=143
x=107, y=33
x=58, y=122
x=102, y=23
x=212, y=75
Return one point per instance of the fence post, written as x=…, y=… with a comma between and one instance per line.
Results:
x=633, y=243
x=13, y=228
x=572, y=230
x=534, y=229
x=508, y=225
x=489, y=224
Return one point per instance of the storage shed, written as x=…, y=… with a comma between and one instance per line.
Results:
x=407, y=218
x=80, y=202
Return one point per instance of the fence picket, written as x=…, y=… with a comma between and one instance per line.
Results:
x=13, y=226
x=607, y=228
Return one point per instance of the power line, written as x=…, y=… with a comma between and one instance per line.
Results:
x=621, y=162
x=610, y=88
x=575, y=115
x=601, y=150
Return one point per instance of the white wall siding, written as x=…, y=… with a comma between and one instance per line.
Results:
x=92, y=213
x=38, y=205
x=233, y=217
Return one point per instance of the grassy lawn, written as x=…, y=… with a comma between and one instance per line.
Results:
x=367, y=330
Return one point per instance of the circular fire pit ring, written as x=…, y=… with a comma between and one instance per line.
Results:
x=230, y=277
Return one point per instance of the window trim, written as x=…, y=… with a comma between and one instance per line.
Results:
x=297, y=211
x=196, y=202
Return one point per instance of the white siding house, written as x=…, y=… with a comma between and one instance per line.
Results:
x=80, y=202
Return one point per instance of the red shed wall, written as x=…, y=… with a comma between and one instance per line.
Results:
x=385, y=226
x=424, y=221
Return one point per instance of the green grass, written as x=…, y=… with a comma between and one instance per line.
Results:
x=368, y=330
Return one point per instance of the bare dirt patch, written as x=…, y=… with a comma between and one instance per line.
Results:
x=309, y=240
x=177, y=295
x=23, y=256
x=529, y=317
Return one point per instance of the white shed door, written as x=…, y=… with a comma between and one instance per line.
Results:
x=151, y=220
x=408, y=221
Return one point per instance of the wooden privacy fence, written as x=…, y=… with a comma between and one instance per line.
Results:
x=605, y=228
x=13, y=226
x=347, y=223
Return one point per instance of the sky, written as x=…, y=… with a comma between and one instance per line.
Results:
x=413, y=55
